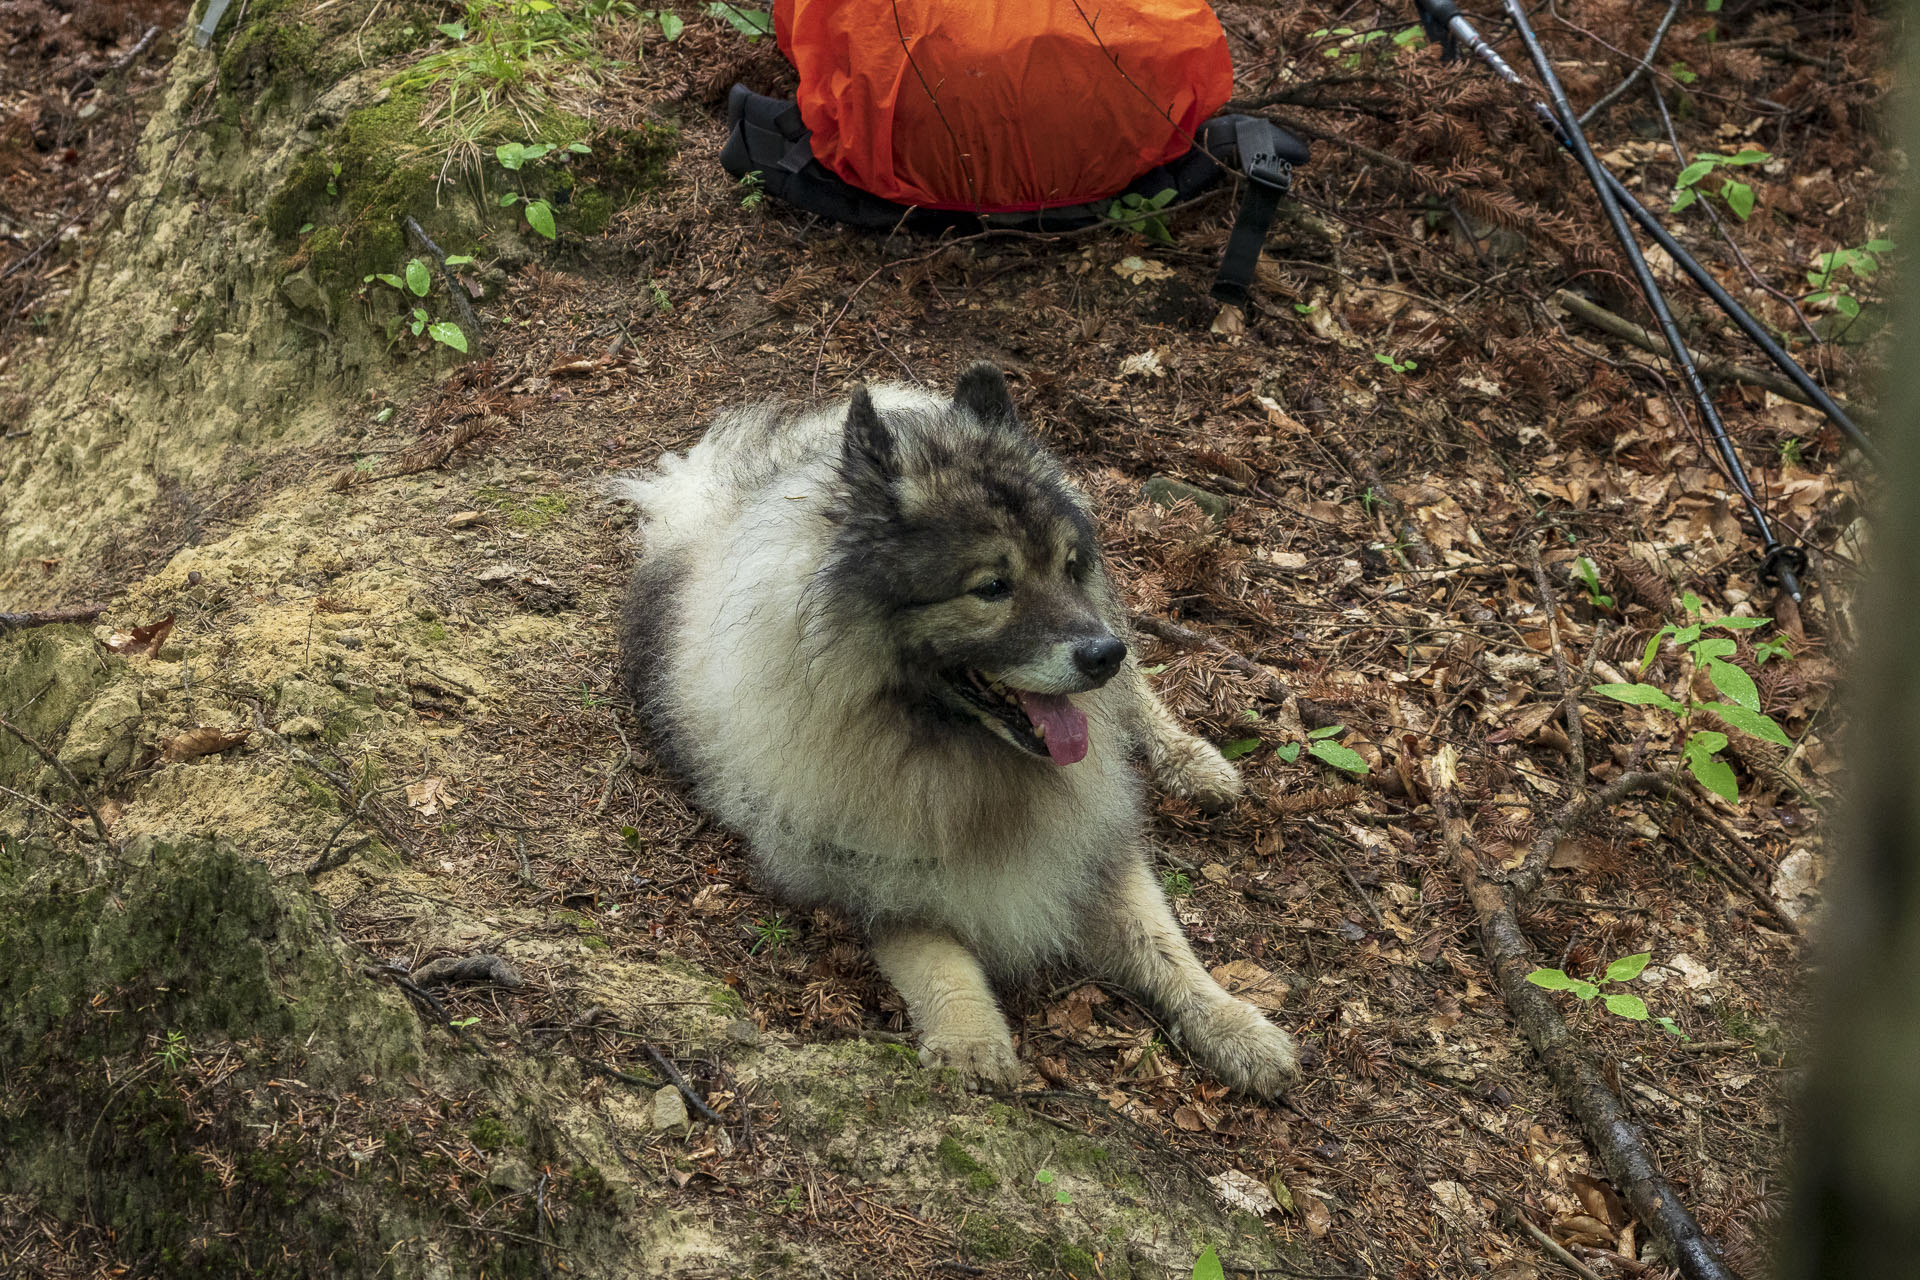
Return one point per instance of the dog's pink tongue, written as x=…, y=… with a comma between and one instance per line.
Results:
x=1065, y=725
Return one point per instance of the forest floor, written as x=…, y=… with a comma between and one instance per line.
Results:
x=1439, y=510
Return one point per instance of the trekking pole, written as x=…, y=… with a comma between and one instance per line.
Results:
x=1443, y=22
x=1780, y=564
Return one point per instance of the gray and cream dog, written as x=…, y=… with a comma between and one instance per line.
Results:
x=879, y=641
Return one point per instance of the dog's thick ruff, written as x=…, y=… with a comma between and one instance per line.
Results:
x=879, y=641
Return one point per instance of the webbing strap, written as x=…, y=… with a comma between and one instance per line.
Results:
x=1267, y=154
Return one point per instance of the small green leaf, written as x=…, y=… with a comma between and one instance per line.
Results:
x=449, y=334
x=1686, y=635
x=1683, y=200
x=1693, y=173
x=1627, y=1006
x=1207, y=1266
x=1707, y=742
x=1878, y=246
x=419, y=279
x=1627, y=968
x=1734, y=684
x=459, y=260
x=1329, y=731
x=1153, y=670
x=1714, y=647
x=1639, y=695
x=511, y=198
x=1653, y=644
x=579, y=148
x=1680, y=72
x=1846, y=306
x=1747, y=157
x=1715, y=775
x=304, y=228
x=1287, y=752
x=1739, y=624
x=1043, y=1177
x=418, y=325
x=452, y=30
x=540, y=217
x=1739, y=198
x=671, y=26
x=510, y=155
x=1756, y=723
x=1239, y=747
x=751, y=23
x=1061, y=1197
x=1671, y=1028
x=1343, y=758
x=384, y=278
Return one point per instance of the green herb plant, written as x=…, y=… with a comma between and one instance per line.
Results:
x=1829, y=286
x=514, y=157
x=1141, y=214
x=417, y=283
x=1738, y=195
x=1590, y=579
x=1321, y=746
x=1618, y=1003
x=1045, y=1178
x=1398, y=366
x=748, y=21
x=1741, y=706
x=1354, y=47
x=753, y=189
x=670, y=24
x=770, y=934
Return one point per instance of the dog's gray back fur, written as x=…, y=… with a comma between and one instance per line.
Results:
x=761, y=640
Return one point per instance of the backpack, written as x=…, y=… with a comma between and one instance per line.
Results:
x=932, y=114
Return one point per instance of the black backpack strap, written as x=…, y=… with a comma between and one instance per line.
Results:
x=766, y=136
x=1267, y=154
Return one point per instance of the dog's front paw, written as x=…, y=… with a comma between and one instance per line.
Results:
x=1237, y=1044
x=1194, y=768
x=983, y=1060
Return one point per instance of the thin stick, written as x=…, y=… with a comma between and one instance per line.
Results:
x=72, y=782
x=1569, y=691
x=613, y=774
x=1526, y=881
x=1640, y=69
x=1546, y=1241
x=50, y=617
x=469, y=318
x=694, y=1100
x=53, y=813
x=1187, y=638
x=1710, y=367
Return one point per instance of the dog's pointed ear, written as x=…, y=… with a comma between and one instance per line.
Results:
x=982, y=392
x=868, y=459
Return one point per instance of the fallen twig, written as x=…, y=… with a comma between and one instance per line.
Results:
x=1525, y=881
x=1610, y=1128
x=1547, y=1242
x=469, y=318
x=423, y=998
x=678, y=1081
x=1569, y=691
x=50, y=617
x=1614, y=94
x=1187, y=638
x=66, y=774
x=1711, y=367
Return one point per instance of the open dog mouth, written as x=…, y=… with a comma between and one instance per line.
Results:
x=1046, y=724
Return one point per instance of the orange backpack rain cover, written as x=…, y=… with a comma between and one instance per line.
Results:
x=1002, y=105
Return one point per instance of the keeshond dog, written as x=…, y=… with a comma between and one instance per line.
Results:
x=880, y=643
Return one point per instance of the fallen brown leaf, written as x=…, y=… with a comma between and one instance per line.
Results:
x=430, y=796
x=203, y=741
x=141, y=641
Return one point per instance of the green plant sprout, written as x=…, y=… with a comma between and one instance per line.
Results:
x=670, y=23
x=513, y=157
x=1741, y=710
x=1738, y=195
x=753, y=188
x=172, y=1054
x=1590, y=578
x=417, y=280
x=1141, y=214
x=1398, y=366
x=1207, y=1266
x=1860, y=263
x=1176, y=884
x=1618, y=1003
x=1045, y=1179
x=770, y=934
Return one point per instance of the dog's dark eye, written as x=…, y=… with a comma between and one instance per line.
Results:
x=997, y=589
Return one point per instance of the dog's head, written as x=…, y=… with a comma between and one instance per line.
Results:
x=966, y=541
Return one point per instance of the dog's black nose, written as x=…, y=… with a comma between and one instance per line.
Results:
x=1099, y=659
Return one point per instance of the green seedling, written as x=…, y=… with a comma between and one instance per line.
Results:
x=1738, y=195
x=1618, y=1003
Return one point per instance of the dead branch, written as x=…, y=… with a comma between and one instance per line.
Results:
x=1525, y=882
x=1610, y=1128
x=1569, y=691
x=50, y=617
x=687, y=1091
x=1711, y=367
x=1187, y=638
x=469, y=318
x=1614, y=94
x=66, y=774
